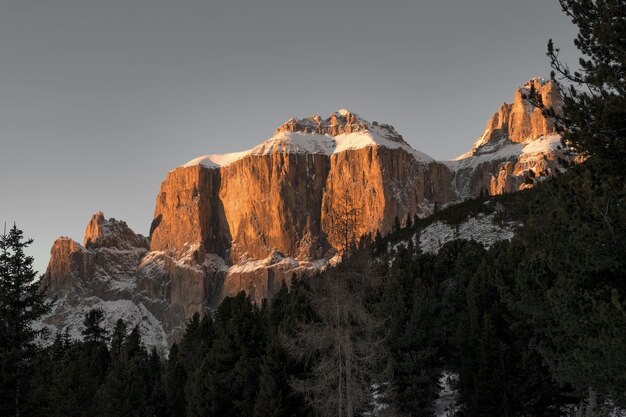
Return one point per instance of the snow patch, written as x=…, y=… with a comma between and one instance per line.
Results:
x=274, y=260
x=133, y=314
x=544, y=144
x=481, y=228
x=447, y=403
x=316, y=143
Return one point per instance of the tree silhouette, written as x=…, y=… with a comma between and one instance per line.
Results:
x=22, y=302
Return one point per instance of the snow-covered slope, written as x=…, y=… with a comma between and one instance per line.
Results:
x=338, y=133
x=481, y=227
x=68, y=314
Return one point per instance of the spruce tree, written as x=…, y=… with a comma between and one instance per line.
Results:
x=575, y=279
x=22, y=302
x=226, y=382
x=174, y=380
x=593, y=118
x=117, y=338
x=272, y=399
x=93, y=330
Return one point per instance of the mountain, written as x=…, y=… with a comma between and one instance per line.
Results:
x=249, y=220
x=103, y=273
x=518, y=147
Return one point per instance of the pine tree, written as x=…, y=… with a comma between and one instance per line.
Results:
x=593, y=118
x=272, y=399
x=22, y=301
x=175, y=380
x=117, y=338
x=577, y=287
x=93, y=330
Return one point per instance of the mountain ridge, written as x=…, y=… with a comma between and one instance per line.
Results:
x=341, y=131
x=249, y=220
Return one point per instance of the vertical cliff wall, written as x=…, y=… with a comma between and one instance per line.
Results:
x=250, y=220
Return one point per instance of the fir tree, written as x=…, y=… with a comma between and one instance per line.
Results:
x=93, y=330
x=117, y=338
x=273, y=397
x=175, y=380
x=593, y=120
x=577, y=287
x=22, y=301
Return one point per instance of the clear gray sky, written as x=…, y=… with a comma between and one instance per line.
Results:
x=99, y=99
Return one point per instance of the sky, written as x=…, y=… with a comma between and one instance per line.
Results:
x=100, y=99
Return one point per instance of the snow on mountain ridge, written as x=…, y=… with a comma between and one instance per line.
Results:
x=519, y=121
x=340, y=132
x=539, y=146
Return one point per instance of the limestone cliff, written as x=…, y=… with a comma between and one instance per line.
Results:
x=519, y=146
x=249, y=220
x=268, y=212
x=278, y=197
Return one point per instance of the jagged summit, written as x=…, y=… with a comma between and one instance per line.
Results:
x=520, y=121
x=341, y=131
x=103, y=232
x=339, y=122
x=518, y=147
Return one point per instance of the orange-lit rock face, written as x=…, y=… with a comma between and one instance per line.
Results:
x=273, y=203
x=278, y=197
x=383, y=184
x=518, y=147
x=521, y=121
x=187, y=212
x=250, y=220
x=527, y=121
x=282, y=202
x=68, y=260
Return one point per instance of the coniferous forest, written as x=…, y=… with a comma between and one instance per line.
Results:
x=534, y=326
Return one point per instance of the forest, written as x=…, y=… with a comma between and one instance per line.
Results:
x=534, y=326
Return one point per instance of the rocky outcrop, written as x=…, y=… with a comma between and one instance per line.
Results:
x=519, y=146
x=521, y=121
x=69, y=263
x=103, y=274
x=111, y=233
x=185, y=214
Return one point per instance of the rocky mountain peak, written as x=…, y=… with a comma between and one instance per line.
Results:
x=519, y=121
x=339, y=122
x=111, y=233
x=341, y=131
